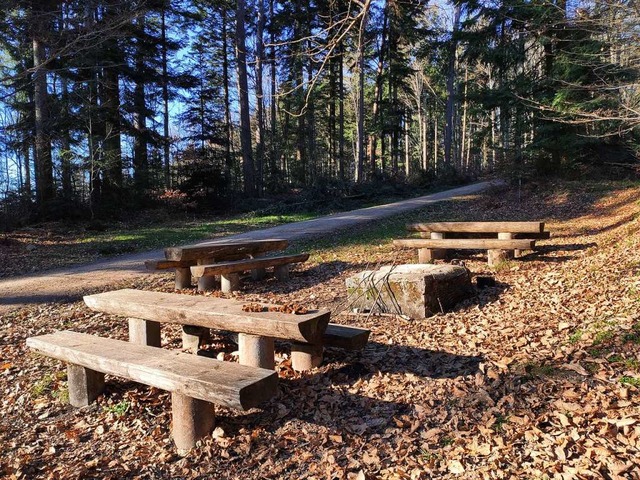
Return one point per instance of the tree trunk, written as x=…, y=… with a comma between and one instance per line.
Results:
x=243, y=96
x=166, y=141
x=228, y=159
x=450, y=108
x=377, y=95
x=360, y=110
x=140, y=153
x=259, y=98
x=341, y=159
x=43, y=163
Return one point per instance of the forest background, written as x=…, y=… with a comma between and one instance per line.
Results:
x=109, y=106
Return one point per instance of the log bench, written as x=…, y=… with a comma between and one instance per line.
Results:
x=195, y=383
x=497, y=252
x=229, y=272
x=497, y=249
x=182, y=258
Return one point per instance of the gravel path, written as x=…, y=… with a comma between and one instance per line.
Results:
x=70, y=283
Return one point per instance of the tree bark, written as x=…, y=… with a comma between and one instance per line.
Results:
x=243, y=96
x=259, y=98
x=43, y=162
x=451, y=74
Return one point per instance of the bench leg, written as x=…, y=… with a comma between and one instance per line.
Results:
x=256, y=351
x=207, y=283
x=495, y=257
x=229, y=282
x=84, y=385
x=282, y=272
x=194, y=337
x=183, y=278
x=425, y=255
x=193, y=419
x=438, y=253
x=144, y=332
x=305, y=356
x=258, y=273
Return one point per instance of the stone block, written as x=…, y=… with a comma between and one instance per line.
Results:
x=417, y=291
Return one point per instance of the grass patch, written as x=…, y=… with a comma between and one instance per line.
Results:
x=498, y=425
x=539, y=370
x=627, y=380
x=118, y=409
x=576, y=336
x=48, y=384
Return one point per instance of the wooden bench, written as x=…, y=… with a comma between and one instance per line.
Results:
x=195, y=383
x=230, y=271
x=182, y=258
x=506, y=239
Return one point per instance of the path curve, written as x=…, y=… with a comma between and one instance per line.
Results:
x=71, y=283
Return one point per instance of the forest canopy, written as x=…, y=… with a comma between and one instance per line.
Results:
x=106, y=104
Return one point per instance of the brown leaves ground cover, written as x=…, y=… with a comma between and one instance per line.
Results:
x=537, y=377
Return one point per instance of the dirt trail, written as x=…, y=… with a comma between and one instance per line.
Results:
x=70, y=283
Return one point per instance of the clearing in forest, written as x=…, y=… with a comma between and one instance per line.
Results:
x=536, y=377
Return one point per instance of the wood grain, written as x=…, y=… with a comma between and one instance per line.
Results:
x=478, y=227
x=243, y=265
x=222, y=250
x=228, y=384
x=216, y=313
x=464, y=243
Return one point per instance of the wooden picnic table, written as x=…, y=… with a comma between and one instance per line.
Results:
x=183, y=258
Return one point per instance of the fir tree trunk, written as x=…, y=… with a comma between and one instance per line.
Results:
x=243, y=96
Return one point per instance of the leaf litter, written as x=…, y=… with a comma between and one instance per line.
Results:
x=535, y=377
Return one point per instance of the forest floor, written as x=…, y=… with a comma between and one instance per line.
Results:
x=537, y=377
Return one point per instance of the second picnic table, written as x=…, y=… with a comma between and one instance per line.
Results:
x=226, y=258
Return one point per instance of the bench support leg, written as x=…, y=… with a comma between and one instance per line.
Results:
x=498, y=256
x=84, y=385
x=207, y=283
x=183, y=278
x=305, y=356
x=256, y=351
x=193, y=419
x=229, y=282
x=438, y=253
x=258, y=273
x=144, y=332
x=425, y=255
x=281, y=272
x=194, y=337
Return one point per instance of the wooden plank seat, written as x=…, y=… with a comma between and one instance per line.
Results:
x=494, y=246
x=197, y=314
x=195, y=383
x=182, y=258
x=229, y=271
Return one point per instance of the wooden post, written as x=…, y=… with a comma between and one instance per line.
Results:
x=256, y=351
x=144, y=332
x=495, y=257
x=281, y=272
x=425, y=255
x=438, y=253
x=229, y=282
x=84, y=385
x=194, y=337
x=305, y=356
x=258, y=273
x=183, y=278
x=206, y=282
x=193, y=419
